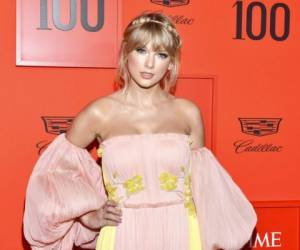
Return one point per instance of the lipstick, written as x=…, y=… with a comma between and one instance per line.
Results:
x=146, y=75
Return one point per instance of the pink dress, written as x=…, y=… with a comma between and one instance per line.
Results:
x=171, y=196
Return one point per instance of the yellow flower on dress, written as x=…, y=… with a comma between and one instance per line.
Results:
x=99, y=152
x=111, y=190
x=133, y=185
x=188, y=200
x=168, y=181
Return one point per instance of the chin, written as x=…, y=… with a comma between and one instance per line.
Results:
x=145, y=83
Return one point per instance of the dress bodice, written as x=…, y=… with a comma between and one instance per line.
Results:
x=156, y=173
x=147, y=170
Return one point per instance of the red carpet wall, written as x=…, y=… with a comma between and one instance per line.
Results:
x=240, y=64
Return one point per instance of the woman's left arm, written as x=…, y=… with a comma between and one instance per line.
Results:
x=193, y=117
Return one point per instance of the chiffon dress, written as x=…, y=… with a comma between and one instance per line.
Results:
x=172, y=197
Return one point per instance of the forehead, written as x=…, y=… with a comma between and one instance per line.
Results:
x=152, y=38
x=153, y=47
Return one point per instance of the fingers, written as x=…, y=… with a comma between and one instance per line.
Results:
x=111, y=202
x=113, y=210
x=112, y=213
x=109, y=223
x=112, y=217
x=112, y=206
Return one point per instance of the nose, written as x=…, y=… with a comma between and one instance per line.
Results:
x=150, y=60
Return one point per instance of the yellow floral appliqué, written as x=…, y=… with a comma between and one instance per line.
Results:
x=168, y=181
x=99, y=152
x=111, y=190
x=133, y=185
x=188, y=200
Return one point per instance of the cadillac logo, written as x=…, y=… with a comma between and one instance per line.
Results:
x=259, y=126
x=57, y=124
x=54, y=125
x=171, y=3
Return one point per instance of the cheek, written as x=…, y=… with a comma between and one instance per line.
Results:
x=134, y=60
x=163, y=67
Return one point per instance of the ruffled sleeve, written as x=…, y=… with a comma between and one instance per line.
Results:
x=226, y=217
x=65, y=184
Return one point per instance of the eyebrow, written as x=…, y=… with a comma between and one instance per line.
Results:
x=158, y=50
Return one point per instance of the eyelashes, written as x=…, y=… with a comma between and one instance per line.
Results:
x=140, y=50
x=143, y=51
x=163, y=55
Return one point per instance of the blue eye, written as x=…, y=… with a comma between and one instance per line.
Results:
x=140, y=50
x=163, y=55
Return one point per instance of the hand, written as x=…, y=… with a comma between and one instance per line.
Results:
x=108, y=215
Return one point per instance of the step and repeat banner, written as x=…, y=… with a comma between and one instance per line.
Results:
x=240, y=63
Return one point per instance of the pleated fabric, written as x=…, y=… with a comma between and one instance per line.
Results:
x=227, y=217
x=172, y=197
x=65, y=184
x=107, y=238
x=150, y=183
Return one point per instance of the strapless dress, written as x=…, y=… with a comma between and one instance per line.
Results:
x=172, y=197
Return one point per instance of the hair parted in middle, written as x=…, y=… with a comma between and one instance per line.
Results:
x=160, y=30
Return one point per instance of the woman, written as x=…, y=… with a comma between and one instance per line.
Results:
x=161, y=188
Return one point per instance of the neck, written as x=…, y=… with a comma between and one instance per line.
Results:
x=144, y=97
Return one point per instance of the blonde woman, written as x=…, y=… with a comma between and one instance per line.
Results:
x=158, y=187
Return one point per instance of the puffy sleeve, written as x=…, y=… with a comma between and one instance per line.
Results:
x=66, y=183
x=226, y=217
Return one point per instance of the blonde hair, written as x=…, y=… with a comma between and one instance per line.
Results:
x=159, y=29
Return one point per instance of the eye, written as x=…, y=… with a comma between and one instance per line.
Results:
x=163, y=55
x=140, y=50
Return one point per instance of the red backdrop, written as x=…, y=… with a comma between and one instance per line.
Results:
x=229, y=78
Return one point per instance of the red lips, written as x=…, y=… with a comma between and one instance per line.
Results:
x=146, y=75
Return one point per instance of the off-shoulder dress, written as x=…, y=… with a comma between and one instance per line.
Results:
x=172, y=197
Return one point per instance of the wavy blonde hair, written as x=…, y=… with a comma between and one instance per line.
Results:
x=160, y=30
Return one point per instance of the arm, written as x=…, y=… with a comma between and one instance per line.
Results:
x=225, y=216
x=65, y=184
x=194, y=119
x=82, y=132
x=85, y=126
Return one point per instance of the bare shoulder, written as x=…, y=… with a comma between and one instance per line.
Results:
x=88, y=121
x=188, y=106
x=193, y=115
x=101, y=106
